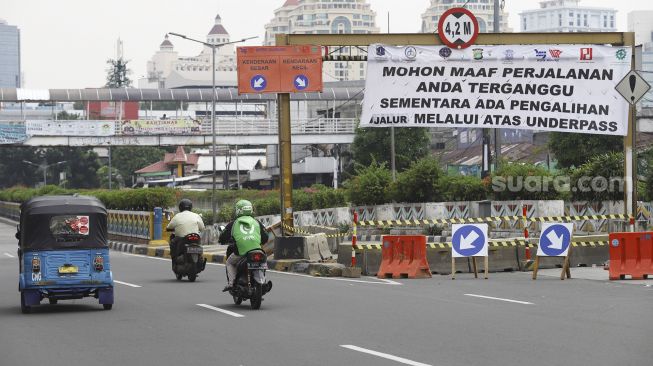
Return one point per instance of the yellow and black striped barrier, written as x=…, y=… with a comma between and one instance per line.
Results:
x=478, y=220
x=495, y=244
x=300, y=231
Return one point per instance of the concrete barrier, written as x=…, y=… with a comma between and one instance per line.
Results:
x=323, y=246
x=299, y=247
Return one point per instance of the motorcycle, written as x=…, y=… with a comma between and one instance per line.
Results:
x=250, y=283
x=189, y=261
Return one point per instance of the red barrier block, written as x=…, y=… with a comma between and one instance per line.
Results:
x=631, y=254
x=404, y=256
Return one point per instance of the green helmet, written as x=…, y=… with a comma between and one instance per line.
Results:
x=244, y=208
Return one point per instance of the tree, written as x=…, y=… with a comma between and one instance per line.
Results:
x=65, y=116
x=128, y=159
x=103, y=177
x=574, y=149
x=80, y=167
x=373, y=144
x=13, y=171
x=117, y=74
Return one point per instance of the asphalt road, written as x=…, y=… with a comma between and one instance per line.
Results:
x=506, y=320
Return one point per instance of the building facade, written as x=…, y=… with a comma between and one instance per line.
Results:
x=166, y=69
x=567, y=16
x=482, y=9
x=326, y=17
x=10, y=74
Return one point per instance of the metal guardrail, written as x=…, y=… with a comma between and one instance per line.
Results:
x=136, y=224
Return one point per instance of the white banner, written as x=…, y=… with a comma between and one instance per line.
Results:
x=567, y=88
x=70, y=128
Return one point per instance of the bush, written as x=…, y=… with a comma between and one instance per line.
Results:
x=463, y=188
x=370, y=185
x=419, y=183
x=516, y=181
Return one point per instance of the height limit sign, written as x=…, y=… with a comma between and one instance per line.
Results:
x=458, y=28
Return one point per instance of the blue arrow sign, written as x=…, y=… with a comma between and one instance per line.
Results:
x=301, y=82
x=468, y=240
x=555, y=240
x=258, y=83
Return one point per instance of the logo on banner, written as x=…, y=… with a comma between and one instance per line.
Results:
x=380, y=51
x=410, y=52
x=586, y=54
x=541, y=55
x=621, y=54
x=478, y=53
x=509, y=55
x=445, y=52
x=555, y=53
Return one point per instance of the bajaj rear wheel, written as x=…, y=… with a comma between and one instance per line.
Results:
x=192, y=277
x=53, y=301
x=24, y=308
x=107, y=306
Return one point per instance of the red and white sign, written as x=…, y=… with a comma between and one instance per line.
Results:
x=458, y=28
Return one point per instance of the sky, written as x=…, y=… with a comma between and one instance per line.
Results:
x=66, y=43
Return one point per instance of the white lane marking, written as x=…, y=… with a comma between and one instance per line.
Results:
x=9, y=255
x=379, y=281
x=235, y=315
x=127, y=284
x=384, y=355
x=500, y=299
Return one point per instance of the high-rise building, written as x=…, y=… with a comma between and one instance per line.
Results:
x=10, y=76
x=482, y=9
x=326, y=17
x=567, y=16
x=167, y=69
x=641, y=22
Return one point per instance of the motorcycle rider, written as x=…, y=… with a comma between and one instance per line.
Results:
x=246, y=232
x=184, y=223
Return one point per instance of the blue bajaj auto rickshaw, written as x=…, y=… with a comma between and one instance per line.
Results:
x=63, y=251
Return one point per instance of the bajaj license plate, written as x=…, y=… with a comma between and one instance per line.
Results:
x=257, y=265
x=68, y=269
x=194, y=250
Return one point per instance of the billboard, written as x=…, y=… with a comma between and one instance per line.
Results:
x=70, y=128
x=566, y=88
x=161, y=127
x=12, y=133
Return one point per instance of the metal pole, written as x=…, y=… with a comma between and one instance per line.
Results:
x=109, y=167
x=393, y=165
x=630, y=159
x=285, y=159
x=237, y=168
x=213, y=202
x=45, y=171
x=497, y=135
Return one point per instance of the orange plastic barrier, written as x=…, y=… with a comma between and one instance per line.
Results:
x=404, y=256
x=631, y=254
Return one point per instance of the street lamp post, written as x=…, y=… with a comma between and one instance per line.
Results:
x=213, y=148
x=44, y=167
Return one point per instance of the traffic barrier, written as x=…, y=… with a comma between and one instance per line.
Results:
x=631, y=254
x=404, y=256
